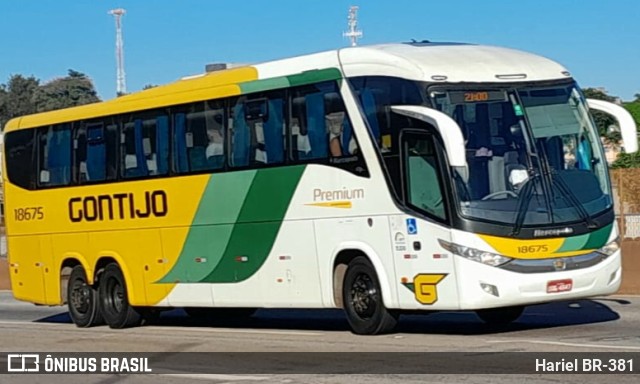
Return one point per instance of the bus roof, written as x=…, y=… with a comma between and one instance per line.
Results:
x=431, y=62
x=450, y=63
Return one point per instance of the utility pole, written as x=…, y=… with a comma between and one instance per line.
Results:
x=121, y=86
x=353, y=33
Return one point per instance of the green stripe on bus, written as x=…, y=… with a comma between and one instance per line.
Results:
x=307, y=77
x=212, y=226
x=593, y=240
x=258, y=224
x=264, y=85
x=314, y=76
x=224, y=197
x=599, y=238
x=236, y=224
x=574, y=243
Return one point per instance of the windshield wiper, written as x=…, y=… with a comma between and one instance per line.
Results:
x=526, y=193
x=566, y=191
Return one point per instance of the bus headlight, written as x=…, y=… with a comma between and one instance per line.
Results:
x=483, y=257
x=611, y=247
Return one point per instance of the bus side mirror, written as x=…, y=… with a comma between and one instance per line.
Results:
x=447, y=127
x=625, y=121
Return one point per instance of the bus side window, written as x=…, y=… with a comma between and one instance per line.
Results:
x=145, y=147
x=342, y=141
x=309, y=129
x=424, y=190
x=196, y=139
x=257, y=130
x=199, y=137
x=55, y=155
x=20, y=157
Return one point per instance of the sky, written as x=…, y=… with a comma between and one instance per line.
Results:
x=597, y=40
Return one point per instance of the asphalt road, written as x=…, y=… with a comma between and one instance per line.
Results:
x=602, y=325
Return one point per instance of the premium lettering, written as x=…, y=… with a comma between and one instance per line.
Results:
x=119, y=206
x=339, y=194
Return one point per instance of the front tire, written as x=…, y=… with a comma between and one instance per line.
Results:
x=362, y=298
x=114, y=302
x=82, y=300
x=500, y=316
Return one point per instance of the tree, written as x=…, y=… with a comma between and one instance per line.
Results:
x=75, y=89
x=603, y=121
x=627, y=160
x=634, y=110
x=16, y=97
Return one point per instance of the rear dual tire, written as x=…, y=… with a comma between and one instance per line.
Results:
x=113, y=299
x=82, y=300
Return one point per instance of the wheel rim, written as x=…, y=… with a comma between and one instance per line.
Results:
x=80, y=299
x=115, y=296
x=364, y=296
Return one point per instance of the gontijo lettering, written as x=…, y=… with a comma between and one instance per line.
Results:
x=118, y=206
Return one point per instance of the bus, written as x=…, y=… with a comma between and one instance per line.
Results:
x=377, y=179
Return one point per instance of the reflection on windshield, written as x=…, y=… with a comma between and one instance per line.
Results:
x=533, y=155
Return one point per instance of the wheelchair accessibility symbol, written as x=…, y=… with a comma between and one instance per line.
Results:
x=412, y=227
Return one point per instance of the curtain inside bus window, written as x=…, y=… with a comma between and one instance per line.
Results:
x=554, y=152
x=584, y=154
x=369, y=105
x=162, y=144
x=141, y=162
x=197, y=140
x=347, y=134
x=59, y=155
x=96, y=154
x=180, y=146
x=274, y=143
x=240, y=137
x=316, y=128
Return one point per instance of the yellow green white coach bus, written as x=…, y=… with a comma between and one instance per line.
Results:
x=419, y=176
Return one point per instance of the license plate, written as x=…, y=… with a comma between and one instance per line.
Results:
x=556, y=286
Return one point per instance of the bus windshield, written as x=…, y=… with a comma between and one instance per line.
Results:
x=533, y=154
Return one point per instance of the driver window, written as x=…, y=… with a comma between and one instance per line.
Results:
x=424, y=190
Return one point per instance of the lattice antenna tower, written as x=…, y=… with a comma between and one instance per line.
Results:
x=121, y=86
x=353, y=33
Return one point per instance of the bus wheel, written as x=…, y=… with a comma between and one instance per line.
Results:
x=114, y=303
x=362, y=300
x=82, y=300
x=500, y=316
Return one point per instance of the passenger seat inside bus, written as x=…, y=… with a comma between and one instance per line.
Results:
x=515, y=173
